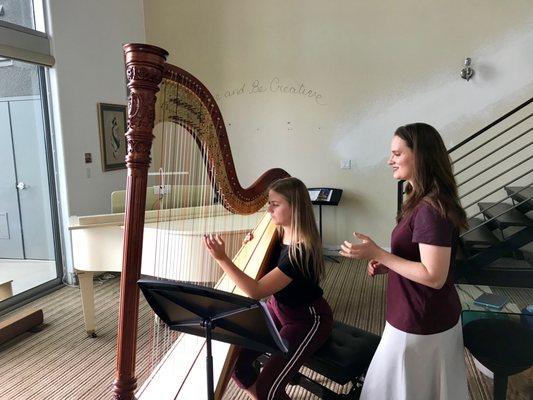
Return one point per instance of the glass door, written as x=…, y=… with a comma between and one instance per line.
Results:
x=28, y=218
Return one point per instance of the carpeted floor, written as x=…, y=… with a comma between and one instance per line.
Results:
x=61, y=362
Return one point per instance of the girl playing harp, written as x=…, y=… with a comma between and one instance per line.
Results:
x=302, y=316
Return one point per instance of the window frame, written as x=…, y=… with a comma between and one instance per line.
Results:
x=25, y=44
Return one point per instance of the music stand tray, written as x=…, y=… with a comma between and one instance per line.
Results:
x=213, y=314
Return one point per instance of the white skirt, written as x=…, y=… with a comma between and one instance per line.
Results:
x=417, y=367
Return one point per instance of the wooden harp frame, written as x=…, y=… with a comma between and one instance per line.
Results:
x=145, y=68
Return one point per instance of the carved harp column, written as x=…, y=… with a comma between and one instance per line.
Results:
x=144, y=69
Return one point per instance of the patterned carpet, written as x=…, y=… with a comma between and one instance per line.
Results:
x=60, y=362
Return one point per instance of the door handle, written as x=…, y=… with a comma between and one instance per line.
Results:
x=21, y=185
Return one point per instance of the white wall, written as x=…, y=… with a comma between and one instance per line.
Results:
x=371, y=66
x=87, y=39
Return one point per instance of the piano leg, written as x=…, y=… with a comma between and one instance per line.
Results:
x=87, y=301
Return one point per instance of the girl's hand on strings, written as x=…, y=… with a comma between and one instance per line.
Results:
x=367, y=249
x=248, y=238
x=375, y=268
x=215, y=245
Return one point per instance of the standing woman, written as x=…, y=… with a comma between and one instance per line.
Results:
x=421, y=355
x=301, y=314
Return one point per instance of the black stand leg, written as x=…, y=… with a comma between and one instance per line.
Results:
x=500, y=387
x=320, y=220
x=333, y=259
x=209, y=361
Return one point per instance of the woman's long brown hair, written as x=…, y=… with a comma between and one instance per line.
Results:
x=433, y=178
x=305, y=250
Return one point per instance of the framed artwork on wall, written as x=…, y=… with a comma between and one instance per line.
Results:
x=112, y=122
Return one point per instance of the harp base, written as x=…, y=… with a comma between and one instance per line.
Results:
x=123, y=389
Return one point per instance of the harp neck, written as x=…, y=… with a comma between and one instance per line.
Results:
x=189, y=103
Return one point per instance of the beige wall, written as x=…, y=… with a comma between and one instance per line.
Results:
x=87, y=39
x=367, y=67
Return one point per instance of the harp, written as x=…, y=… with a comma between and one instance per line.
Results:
x=185, y=104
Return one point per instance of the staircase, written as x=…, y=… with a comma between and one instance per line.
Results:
x=495, y=249
x=494, y=173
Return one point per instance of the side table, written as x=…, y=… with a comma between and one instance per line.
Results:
x=501, y=340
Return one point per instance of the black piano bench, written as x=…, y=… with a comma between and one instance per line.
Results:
x=344, y=358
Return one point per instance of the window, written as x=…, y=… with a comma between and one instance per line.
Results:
x=26, y=13
x=22, y=32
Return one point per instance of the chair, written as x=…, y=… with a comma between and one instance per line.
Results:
x=344, y=358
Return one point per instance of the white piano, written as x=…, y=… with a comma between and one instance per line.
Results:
x=97, y=245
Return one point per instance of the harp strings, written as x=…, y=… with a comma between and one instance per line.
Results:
x=193, y=207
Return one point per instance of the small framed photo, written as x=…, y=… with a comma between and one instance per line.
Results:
x=112, y=122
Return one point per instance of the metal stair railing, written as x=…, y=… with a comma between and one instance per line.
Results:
x=480, y=153
x=494, y=191
x=497, y=149
x=483, y=130
x=488, y=141
x=497, y=176
x=512, y=207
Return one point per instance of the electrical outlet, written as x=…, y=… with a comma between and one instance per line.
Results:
x=162, y=190
x=346, y=164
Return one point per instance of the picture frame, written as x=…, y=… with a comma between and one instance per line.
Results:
x=112, y=125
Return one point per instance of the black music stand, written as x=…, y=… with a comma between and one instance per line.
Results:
x=326, y=197
x=213, y=314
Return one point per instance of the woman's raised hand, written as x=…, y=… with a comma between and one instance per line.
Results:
x=375, y=268
x=367, y=249
x=215, y=245
x=248, y=238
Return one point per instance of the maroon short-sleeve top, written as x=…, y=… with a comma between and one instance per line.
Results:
x=413, y=307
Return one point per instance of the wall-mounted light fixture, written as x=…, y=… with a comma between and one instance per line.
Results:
x=467, y=72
